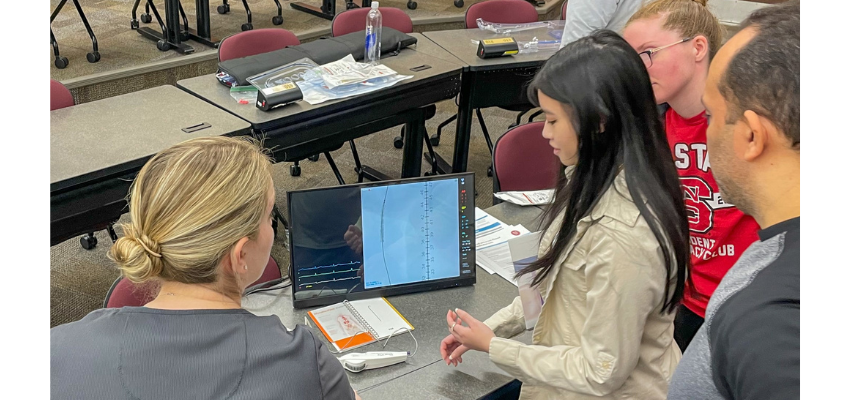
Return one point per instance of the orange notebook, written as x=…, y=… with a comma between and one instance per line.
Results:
x=356, y=323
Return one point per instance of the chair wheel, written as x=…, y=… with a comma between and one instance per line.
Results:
x=411, y=5
x=398, y=142
x=61, y=62
x=88, y=242
x=93, y=57
x=435, y=140
x=223, y=9
x=427, y=173
x=162, y=45
x=314, y=157
x=184, y=36
x=295, y=170
x=277, y=20
x=349, y=6
x=490, y=171
x=146, y=18
x=247, y=27
x=134, y=24
x=458, y=3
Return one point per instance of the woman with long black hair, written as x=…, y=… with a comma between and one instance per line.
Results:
x=613, y=259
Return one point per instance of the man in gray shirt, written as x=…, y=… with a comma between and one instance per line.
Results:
x=749, y=346
x=585, y=16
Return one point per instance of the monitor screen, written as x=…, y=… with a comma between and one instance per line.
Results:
x=381, y=238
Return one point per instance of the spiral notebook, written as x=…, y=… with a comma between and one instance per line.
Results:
x=356, y=323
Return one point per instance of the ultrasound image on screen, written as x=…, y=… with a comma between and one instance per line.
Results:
x=410, y=233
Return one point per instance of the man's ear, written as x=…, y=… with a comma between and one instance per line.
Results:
x=701, y=47
x=756, y=135
x=237, y=258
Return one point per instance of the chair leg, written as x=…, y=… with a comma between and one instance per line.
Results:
x=435, y=139
x=531, y=118
x=247, y=26
x=484, y=129
x=111, y=230
x=334, y=168
x=358, y=168
x=487, y=138
x=518, y=119
x=364, y=171
x=278, y=19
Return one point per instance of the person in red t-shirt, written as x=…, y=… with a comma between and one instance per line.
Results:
x=676, y=40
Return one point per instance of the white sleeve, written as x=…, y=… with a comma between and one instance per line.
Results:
x=586, y=16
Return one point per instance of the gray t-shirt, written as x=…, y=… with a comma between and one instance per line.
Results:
x=145, y=353
x=586, y=16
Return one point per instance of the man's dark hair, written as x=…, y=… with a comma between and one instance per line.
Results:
x=764, y=76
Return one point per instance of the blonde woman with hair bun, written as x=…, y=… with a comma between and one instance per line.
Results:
x=200, y=227
x=676, y=40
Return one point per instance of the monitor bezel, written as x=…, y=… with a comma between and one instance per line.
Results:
x=462, y=280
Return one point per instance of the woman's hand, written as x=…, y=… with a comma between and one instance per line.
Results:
x=356, y=396
x=452, y=350
x=475, y=335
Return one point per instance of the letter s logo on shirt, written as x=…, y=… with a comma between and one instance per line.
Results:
x=697, y=195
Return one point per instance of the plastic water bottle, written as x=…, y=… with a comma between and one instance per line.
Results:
x=373, y=35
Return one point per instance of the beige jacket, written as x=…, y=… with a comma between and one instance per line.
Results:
x=600, y=333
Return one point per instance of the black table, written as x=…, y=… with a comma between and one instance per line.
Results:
x=96, y=151
x=487, y=82
x=299, y=130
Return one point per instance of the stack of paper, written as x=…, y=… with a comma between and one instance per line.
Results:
x=491, y=242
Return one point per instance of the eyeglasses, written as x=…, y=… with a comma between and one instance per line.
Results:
x=646, y=55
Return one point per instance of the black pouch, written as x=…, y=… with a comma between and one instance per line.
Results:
x=321, y=51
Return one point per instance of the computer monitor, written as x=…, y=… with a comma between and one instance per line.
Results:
x=381, y=238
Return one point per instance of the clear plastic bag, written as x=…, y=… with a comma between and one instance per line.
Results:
x=244, y=94
x=347, y=78
x=507, y=29
x=534, y=45
x=292, y=72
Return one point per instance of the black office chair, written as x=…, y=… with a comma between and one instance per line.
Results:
x=62, y=62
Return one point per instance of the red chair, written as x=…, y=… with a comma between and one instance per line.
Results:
x=60, y=96
x=503, y=12
x=124, y=293
x=523, y=160
x=355, y=20
x=255, y=41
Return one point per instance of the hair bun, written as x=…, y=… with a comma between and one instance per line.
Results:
x=703, y=3
x=149, y=245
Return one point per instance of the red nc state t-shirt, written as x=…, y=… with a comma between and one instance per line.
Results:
x=719, y=231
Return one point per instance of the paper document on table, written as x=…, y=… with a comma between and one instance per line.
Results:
x=491, y=237
x=527, y=198
x=523, y=251
x=490, y=231
x=498, y=259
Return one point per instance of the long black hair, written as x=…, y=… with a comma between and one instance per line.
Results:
x=601, y=81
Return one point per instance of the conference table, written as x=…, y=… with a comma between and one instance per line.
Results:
x=491, y=82
x=299, y=130
x=424, y=375
x=97, y=148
